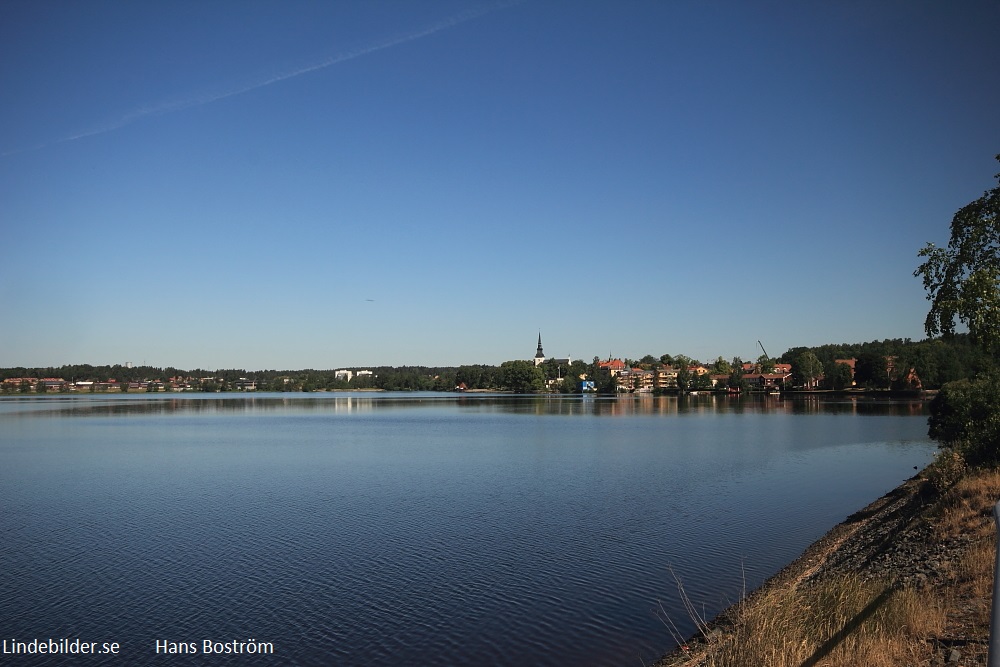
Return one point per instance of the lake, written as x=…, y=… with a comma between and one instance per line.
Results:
x=380, y=529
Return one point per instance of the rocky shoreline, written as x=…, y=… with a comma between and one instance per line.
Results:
x=892, y=539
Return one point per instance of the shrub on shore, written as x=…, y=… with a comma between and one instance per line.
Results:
x=965, y=417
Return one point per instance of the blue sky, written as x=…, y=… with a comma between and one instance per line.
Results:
x=323, y=184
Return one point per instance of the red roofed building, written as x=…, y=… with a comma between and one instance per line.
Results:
x=614, y=366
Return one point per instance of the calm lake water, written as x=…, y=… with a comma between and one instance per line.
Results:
x=387, y=529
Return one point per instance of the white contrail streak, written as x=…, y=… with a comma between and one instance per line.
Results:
x=180, y=105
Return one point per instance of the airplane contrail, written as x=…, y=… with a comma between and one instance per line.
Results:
x=180, y=105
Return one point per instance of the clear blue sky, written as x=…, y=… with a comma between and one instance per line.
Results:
x=323, y=184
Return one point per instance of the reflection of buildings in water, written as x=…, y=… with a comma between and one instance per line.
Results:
x=353, y=404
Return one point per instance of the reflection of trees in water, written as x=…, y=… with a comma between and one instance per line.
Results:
x=159, y=404
x=549, y=404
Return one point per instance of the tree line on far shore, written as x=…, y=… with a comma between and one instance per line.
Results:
x=935, y=361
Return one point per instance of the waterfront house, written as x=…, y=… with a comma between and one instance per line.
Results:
x=768, y=381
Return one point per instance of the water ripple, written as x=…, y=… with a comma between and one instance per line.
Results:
x=462, y=536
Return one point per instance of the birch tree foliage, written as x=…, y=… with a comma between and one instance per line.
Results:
x=963, y=280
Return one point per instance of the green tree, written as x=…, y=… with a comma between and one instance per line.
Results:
x=807, y=368
x=922, y=359
x=838, y=376
x=477, y=376
x=963, y=284
x=765, y=364
x=570, y=385
x=701, y=382
x=572, y=377
x=722, y=367
x=521, y=376
x=872, y=370
x=736, y=380
x=553, y=370
x=683, y=365
x=965, y=416
x=963, y=280
x=948, y=361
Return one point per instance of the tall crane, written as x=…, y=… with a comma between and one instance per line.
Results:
x=767, y=357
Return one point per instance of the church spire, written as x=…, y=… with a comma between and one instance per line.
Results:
x=539, y=355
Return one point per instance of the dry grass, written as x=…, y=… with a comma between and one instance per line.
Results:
x=845, y=620
x=966, y=509
x=975, y=569
x=965, y=515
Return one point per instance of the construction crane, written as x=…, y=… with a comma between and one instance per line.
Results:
x=767, y=358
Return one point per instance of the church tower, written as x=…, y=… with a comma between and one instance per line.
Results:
x=539, y=355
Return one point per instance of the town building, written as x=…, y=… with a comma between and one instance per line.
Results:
x=613, y=366
x=636, y=380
